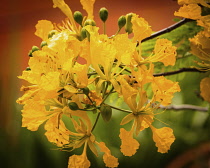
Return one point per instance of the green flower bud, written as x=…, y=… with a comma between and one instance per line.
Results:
x=86, y=90
x=30, y=53
x=83, y=33
x=73, y=106
x=106, y=112
x=103, y=13
x=28, y=69
x=43, y=43
x=78, y=17
x=128, y=25
x=34, y=48
x=121, y=21
x=90, y=22
x=52, y=33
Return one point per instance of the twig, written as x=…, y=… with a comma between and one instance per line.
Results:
x=185, y=107
x=178, y=71
x=168, y=29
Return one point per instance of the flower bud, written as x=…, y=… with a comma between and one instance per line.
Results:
x=30, y=53
x=83, y=33
x=103, y=13
x=106, y=112
x=90, y=22
x=121, y=21
x=78, y=17
x=128, y=25
x=43, y=43
x=28, y=69
x=73, y=106
x=34, y=48
x=51, y=33
x=86, y=90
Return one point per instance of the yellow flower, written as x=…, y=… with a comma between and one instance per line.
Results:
x=129, y=145
x=43, y=27
x=191, y=11
x=204, y=87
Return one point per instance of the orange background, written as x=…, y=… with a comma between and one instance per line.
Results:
x=18, y=20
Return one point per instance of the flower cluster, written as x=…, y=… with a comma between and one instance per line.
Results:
x=193, y=9
x=76, y=69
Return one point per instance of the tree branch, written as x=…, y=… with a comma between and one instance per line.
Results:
x=168, y=29
x=178, y=71
x=185, y=107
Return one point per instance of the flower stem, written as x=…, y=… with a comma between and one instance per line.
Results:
x=116, y=108
x=96, y=121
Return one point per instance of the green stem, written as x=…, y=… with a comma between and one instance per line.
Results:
x=104, y=27
x=90, y=99
x=116, y=108
x=95, y=122
x=106, y=96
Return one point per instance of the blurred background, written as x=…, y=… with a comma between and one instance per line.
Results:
x=21, y=148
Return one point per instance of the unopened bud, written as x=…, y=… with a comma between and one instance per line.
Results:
x=73, y=106
x=78, y=17
x=43, y=43
x=86, y=90
x=28, y=69
x=83, y=33
x=128, y=25
x=30, y=53
x=34, y=48
x=90, y=22
x=103, y=13
x=106, y=112
x=52, y=33
x=121, y=21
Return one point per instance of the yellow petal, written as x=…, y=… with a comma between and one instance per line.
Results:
x=191, y=11
x=56, y=132
x=50, y=81
x=163, y=138
x=127, y=119
x=88, y=6
x=164, y=89
x=43, y=27
x=34, y=114
x=165, y=52
x=63, y=7
x=200, y=46
x=78, y=161
x=202, y=2
x=141, y=28
x=205, y=87
x=109, y=160
x=129, y=145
